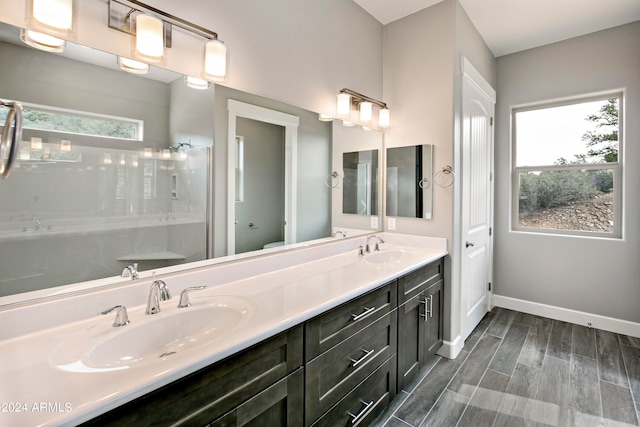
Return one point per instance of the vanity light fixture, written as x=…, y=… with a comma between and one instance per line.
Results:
x=147, y=152
x=196, y=83
x=325, y=117
x=36, y=143
x=65, y=146
x=349, y=100
x=148, y=25
x=132, y=66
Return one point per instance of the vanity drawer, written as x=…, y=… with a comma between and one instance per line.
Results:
x=330, y=328
x=368, y=400
x=333, y=374
x=417, y=281
x=215, y=390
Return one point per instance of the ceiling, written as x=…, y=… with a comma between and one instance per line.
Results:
x=509, y=26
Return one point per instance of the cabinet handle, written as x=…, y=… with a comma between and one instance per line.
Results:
x=367, y=311
x=355, y=418
x=428, y=308
x=367, y=353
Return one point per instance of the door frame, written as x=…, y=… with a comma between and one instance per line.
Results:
x=290, y=123
x=467, y=71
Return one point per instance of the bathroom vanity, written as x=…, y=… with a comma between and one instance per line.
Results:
x=322, y=337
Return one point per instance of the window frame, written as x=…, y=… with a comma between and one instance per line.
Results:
x=139, y=124
x=616, y=167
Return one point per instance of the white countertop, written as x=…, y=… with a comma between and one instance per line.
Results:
x=34, y=392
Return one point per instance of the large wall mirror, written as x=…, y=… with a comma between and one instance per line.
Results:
x=409, y=181
x=78, y=207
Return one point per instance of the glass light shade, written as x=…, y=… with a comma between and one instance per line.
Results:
x=384, y=117
x=132, y=66
x=365, y=111
x=325, y=117
x=65, y=145
x=57, y=14
x=196, y=83
x=42, y=41
x=166, y=153
x=215, y=60
x=343, y=107
x=347, y=124
x=147, y=152
x=149, y=37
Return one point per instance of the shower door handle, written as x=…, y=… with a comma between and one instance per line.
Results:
x=9, y=144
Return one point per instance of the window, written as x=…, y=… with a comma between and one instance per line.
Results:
x=79, y=122
x=567, y=173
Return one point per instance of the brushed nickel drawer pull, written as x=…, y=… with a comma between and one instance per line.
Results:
x=355, y=418
x=430, y=310
x=367, y=353
x=367, y=311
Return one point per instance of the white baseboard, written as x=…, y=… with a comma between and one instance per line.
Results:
x=451, y=349
x=597, y=321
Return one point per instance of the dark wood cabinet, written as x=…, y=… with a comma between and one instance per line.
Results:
x=344, y=346
x=278, y=405
x=340, y=368
x=208, y=394
x=420, y=321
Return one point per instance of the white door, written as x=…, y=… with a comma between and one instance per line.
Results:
x=478, y=101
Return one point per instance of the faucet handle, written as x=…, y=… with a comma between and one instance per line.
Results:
x=131, y=271
x=184, y=296
x=121, y=315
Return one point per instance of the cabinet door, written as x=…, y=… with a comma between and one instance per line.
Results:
x=411, y=338
x=278, y=405
x=415, y=282
x=433, y=306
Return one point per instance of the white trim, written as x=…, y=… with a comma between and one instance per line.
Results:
x=290, y=123
x=597, y=321
x=451, y=349
x=467, y=68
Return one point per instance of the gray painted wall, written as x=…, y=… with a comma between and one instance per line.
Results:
x=422, y=88
x=592, y=275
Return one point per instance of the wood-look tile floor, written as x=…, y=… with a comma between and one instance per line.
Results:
x=522, y=370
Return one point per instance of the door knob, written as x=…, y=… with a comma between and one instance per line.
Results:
x=467, y=244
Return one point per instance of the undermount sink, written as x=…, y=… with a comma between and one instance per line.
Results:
x=153, y=338
x=391, y=256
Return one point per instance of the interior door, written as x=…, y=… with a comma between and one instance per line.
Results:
x=478, y=102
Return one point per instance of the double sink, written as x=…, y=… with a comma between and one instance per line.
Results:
x=151, y=339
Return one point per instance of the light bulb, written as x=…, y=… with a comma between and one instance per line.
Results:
x=149, y=37
x=42, y=41
x=196, y=83
x=132, y=66
x=365, y=111
x=54, y=13
x=343, y=106
x=215, y=60
x=384, y=117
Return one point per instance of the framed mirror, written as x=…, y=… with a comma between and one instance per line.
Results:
x=409, y=181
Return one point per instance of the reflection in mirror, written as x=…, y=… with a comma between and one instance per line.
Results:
x=409, y=181
x=360, y=192
x=75, y=186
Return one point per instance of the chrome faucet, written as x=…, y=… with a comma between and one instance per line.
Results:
x=36, y=226
x=184, y=296
x=158, y=292
x=342, y=233
x=121, y=315
x=131, y=271
x=377, y=247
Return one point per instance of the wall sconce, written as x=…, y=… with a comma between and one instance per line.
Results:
x=54, y=17
x=148, y=26
x=48, y=23
x=349, y=100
